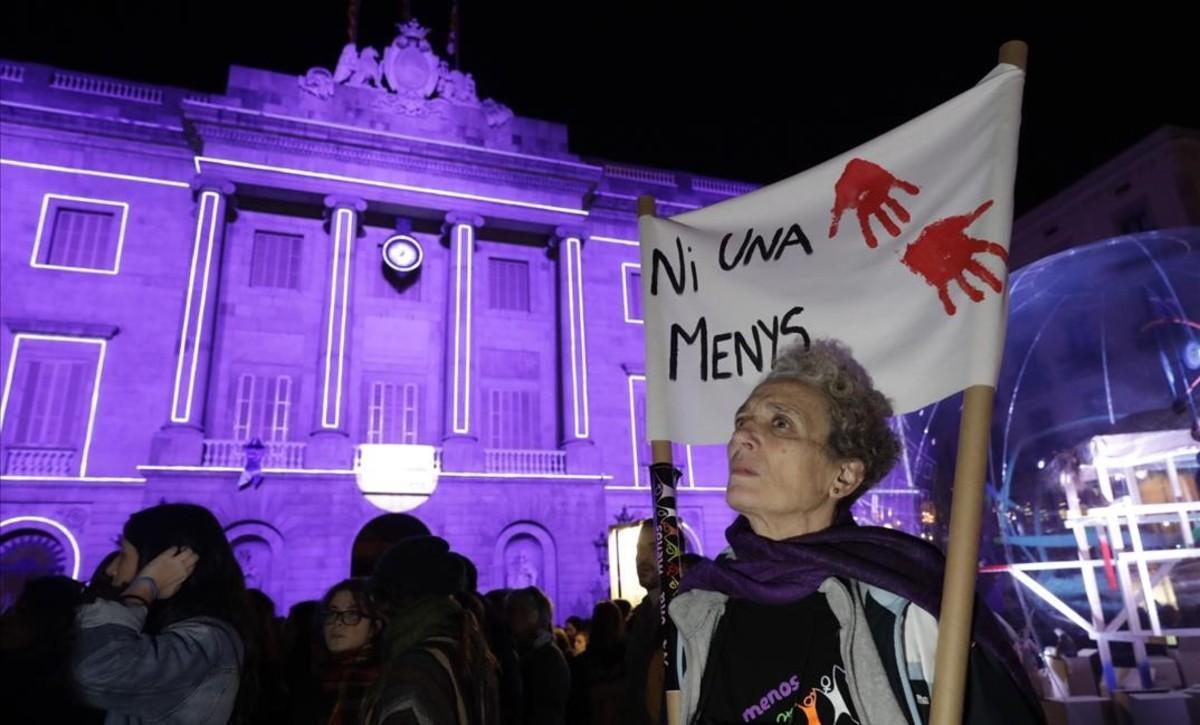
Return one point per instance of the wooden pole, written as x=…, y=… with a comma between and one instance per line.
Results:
x=966, y=512
x=667, y=541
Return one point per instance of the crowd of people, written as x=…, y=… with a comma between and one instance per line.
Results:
x=166, y=631
x=807, y=618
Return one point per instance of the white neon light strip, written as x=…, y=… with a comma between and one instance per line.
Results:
x=181, y=409
x=350, y=226
x=616, y=240
x=55, y=525
x=1053, y=600
x=275, y=471
x=353, y=472
x=625, y=267
x=633, y=441
x=344, y=227
x=554, y=476
x=444, y=193
x=633, y=436
x=37, y=238
x=91, y=424
x=13, y=478
x=95, y=116
x=464, y=238
x=701, y=489
x=578, y=350
x=92, y=172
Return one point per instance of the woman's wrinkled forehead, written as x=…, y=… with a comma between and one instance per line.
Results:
x=792, y=396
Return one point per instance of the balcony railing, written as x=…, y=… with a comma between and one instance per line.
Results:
x=508, y=460
x=39, y=461
x=288, y=454
x=232, y=454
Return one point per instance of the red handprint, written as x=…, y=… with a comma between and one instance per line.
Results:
x=867, y=187
x=943, y=252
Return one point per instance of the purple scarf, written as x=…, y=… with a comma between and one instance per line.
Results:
x=779, y=572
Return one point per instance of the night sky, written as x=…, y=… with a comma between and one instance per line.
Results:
x=736, y=90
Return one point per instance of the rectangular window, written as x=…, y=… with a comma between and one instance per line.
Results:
x=80, y=234
x=275, y=260
x=631, y=287
x=53, y=405
x=508, y=284
x=513, y=419
x=393, y=412
x=262, y=407
x=48, y=406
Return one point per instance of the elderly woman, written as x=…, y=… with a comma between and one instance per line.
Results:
x=812, y=619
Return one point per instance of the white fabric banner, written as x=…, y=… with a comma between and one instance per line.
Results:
x=897, y=248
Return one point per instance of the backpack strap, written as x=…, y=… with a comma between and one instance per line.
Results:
x=445, y=663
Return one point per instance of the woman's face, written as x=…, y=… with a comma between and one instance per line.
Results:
x=347, y=627
x=124, y=568
x=779, y=465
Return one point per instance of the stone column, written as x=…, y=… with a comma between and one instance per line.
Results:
x=575, y=416
x=181, y=440
x=329, y=444
x=461, y=448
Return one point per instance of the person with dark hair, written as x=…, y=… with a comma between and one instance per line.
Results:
x=436, y=664
x=36, y=635
x=100, y=585
x=302, y=650
x=171, y=648
x=349, y=663
x=500, y=641
x=545, y=676
x=572, y=627
x=598, y=675
x=266, y=639
x=644, y=696
x=812, y=615
x=625, y=607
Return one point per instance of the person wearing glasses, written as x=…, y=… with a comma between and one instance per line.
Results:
x=350, y=628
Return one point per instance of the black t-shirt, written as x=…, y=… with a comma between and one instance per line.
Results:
x=776, y=664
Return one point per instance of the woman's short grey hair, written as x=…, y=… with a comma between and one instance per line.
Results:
x=858, y=412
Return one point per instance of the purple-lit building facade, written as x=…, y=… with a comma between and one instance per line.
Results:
x=184, y=273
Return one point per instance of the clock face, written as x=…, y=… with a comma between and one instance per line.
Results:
x=402, y=253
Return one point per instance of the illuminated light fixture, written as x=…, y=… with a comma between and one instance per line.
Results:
x=1191, y=355
x=57, y=527
x=396, y=477
x=403, y=253
x=622, y=562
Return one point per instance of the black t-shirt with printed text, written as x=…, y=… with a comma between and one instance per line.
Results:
x=777, y=664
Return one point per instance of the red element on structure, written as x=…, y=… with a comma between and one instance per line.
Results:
x=867, y=188
x=944, y=253
x=1110, y=573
